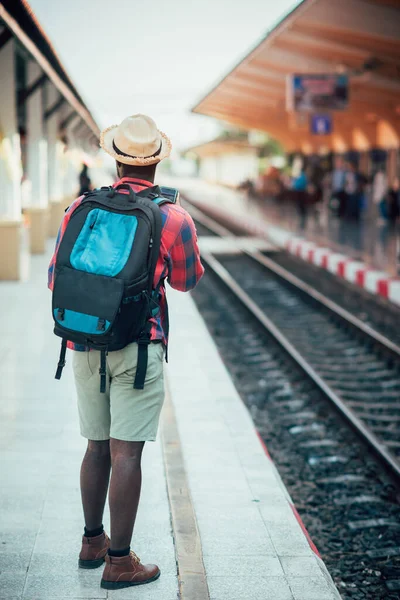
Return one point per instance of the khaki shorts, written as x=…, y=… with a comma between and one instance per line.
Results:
x=122, y=412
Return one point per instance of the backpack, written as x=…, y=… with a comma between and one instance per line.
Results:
x=103, y=294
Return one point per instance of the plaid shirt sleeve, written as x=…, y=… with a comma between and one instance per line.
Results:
x=61, y=231
x=184, y=267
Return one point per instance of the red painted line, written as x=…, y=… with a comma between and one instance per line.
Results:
x=310, y=256
x=360, y=277
x=324, y=260
x=341, y=267
x=292, y=506
x=383, y=287
x=303, y=527
x=263, y=445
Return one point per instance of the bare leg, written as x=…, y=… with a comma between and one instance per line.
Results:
x=95, y=475
x=125, y=486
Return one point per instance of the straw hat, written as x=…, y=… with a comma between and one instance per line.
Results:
x=136, y=141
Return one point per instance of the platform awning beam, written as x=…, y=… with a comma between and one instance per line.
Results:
x=5, y=36
x=23, y=95
x=72, y=115
x=53, y=109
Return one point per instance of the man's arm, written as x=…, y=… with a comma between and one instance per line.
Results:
x=61, y=231
x=184, y=267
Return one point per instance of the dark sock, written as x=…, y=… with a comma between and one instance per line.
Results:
x=94, y=532
x=118, y=553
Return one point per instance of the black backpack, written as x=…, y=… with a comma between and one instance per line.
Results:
x=103, y=294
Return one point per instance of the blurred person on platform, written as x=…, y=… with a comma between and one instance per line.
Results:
x=314, y=194
x=85, y=183
x=379, y=193
x=130, y=225
x=300, y=196
x=393, y=202
x=354, y=188
x=338, y=194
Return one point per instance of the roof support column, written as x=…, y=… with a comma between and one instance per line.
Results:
x=10, y=168
x=55, y=157
x=37, y=169
x=71, y=180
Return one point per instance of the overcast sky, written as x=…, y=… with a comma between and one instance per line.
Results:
x=157, y=57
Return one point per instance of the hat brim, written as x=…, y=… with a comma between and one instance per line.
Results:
x=106, y=142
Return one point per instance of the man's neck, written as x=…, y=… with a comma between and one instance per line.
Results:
x=138, y=180
x=147, y=176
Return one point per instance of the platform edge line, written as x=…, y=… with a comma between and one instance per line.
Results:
x=192, y=579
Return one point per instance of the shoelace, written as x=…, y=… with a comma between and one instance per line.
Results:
x=135, y=557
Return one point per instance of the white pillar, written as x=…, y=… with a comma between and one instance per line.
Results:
x=71, y=182
x=54, y=153
x=36, y=206
x=55, y=157
x=10, y=148
x=10, y=169
x=37, y=144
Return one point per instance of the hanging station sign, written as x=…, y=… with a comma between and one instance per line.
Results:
x=317, y=92
x=320, y=124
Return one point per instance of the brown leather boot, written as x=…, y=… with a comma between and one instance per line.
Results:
x=124, y=571
x=93, y=551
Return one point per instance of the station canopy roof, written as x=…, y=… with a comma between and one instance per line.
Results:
x=17, y=17
x=222, y=146
x=357, y=37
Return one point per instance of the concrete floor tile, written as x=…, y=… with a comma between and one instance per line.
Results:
x=82, y=584
x=12, y=583
x=312, y=589
x=240, y=514
x=288, y=540
x=164, y=588
x=243, y=566
x=250, y=532
x=12, y=561
x=17, y=519
x=232, y=545
x=274, y=514
x=14, y=539
x=47, y=541
x=300, y=566
x=149, y=546
x=64, y=561
x=230, y=588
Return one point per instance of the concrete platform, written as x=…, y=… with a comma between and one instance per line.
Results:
x=233, y=245
x=359, y=253
x=251, y=543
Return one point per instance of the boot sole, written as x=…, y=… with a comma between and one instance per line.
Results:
x=91, y=564
x=118, y=585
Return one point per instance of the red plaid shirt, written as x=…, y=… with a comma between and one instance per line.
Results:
x=178, y=261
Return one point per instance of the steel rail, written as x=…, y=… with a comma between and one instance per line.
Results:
x=338, y=312
x=368, y=436
x=381, y=340
x=385, y=344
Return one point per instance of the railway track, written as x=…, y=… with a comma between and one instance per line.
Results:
x=355, y=367
x=347, y=501
x=294, y=355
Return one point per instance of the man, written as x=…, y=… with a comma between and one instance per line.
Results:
x=338, y=184
x=119, y=422
x=84, y=180
x=299, y=187
x=354, y=188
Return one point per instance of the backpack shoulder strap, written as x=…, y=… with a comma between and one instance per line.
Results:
x=160, y=195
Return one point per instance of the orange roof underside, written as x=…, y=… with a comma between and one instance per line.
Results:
x=320, y=36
